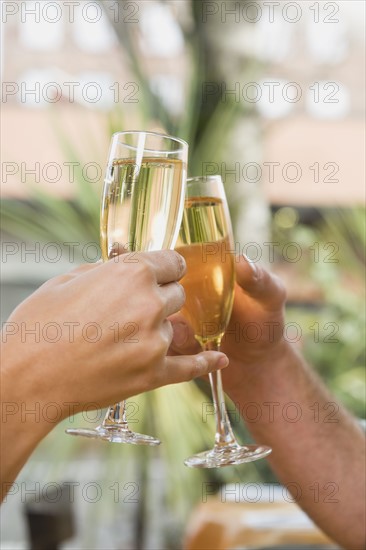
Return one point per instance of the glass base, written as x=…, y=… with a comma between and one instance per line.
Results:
x=227, y=456
x=115, y=435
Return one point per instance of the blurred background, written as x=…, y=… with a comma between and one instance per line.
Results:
x=268, y=94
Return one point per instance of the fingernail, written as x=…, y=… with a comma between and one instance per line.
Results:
x=252, y=264
x=223, y=361
x=182, y=263
x=180, y=334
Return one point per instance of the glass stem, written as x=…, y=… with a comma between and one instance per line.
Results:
x=224, y=433
x=116, y=416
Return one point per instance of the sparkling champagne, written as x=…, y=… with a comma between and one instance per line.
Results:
x=142, y=205
x=204, y=241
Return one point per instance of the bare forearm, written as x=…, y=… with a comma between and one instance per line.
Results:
x=20, y=428
x=318, y=448
x=18, y=441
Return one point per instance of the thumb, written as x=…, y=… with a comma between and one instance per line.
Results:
x=186, y=367
x=259, y=284
x=183, y=341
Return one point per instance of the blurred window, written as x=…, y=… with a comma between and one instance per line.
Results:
x=43, y=27
x=161, y=35
x=169, y=89
x=95, y=90
x=38, y=88
x=275, y=41
x=92, y=31
x=326, y=42
x=277, y=98
x=328, y=100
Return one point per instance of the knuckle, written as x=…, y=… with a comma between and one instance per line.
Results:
x=260, y=275
x=151, y=317
x=183, y=292
x=280, y=289
x=158, y=348
x=143, y=266
x=181, y=295
x=142, y=272
x=198, y=366
x=157, y=375
x=167, y=330
x=157, y=303
x=180, y=264
x=55, y=281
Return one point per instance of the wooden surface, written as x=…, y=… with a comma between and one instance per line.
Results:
x=228, y=525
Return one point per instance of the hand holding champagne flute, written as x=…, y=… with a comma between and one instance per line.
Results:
x=142, y=207
x=206, y=242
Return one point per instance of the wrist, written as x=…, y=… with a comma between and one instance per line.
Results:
x=259, y=374
x=25, y=394
x=23, y=424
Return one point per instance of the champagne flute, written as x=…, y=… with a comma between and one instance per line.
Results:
x=206, y=242
x=142, y=208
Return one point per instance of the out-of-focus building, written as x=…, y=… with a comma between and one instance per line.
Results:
x=63, y=69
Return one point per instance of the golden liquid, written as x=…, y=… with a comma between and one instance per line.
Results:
x=205, y=242
x=142, y=205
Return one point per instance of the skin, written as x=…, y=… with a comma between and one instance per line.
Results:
x=134, y=296
x=318, y=451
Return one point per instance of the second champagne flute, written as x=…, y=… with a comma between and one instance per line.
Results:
x=206, y=242
x=142, y=207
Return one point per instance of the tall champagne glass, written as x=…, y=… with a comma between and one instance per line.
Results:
x=142, y=208
x=206, y=242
